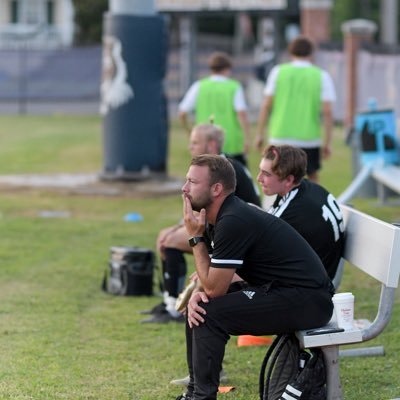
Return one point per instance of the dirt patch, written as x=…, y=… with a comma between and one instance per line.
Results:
x=91, y=185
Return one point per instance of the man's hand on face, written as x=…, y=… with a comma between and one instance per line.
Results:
x=194, y=222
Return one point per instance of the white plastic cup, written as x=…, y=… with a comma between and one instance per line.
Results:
x=344, y=309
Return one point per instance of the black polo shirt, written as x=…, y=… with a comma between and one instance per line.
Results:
x=262, y=248
x=245, y=187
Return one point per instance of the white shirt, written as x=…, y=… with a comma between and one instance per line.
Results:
x=188, y=102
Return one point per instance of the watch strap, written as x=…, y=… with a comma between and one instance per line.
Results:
x=195, y=240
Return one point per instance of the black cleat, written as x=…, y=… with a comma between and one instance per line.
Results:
x=162, y=318
x=156, y=309
x=185, y=396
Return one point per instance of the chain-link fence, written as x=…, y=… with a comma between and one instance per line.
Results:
x=68, y=80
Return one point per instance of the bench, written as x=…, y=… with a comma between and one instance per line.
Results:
x=373, y=246
x=385, y=176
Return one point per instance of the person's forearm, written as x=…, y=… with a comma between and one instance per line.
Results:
x=262, y=122
x=328, y=128
x=214, y=281
x=183, y=117
x=327, y=116
x=236, y=278
x=202, y=263
x=245, y=125
x=263, y=116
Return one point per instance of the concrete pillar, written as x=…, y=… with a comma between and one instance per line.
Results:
x=315, y=19
x=132, y=7
x=388, y=24
x=355, y=32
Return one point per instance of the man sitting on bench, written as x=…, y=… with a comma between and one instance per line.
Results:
x=305, y=205
x=287, y=286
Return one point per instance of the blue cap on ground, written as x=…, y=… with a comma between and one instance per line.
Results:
x=133, y=217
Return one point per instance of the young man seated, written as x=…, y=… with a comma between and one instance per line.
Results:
x=305, y=205
x=172, y=242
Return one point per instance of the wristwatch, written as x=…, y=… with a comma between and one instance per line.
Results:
x=195, y=240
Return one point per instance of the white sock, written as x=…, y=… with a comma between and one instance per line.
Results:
x=170, y=306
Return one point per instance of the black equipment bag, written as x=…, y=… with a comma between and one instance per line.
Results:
x=289, y=372
x=129, y=272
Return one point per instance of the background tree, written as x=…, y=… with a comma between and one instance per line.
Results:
x=89, y=20
x=343, y=10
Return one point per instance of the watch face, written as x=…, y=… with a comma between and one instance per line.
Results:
x=195, y=240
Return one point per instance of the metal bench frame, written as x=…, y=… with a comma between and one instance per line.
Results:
x=386, y=178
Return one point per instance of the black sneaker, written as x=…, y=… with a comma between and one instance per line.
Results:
x=156, y=309
x=185, y=396
x=162, y=318
x=223, y=378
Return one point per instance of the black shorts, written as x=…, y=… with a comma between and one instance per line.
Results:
x=313, y=159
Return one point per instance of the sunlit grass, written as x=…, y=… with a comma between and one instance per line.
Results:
x=61, y=337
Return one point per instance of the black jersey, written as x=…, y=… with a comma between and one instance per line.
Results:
x=245, y=187
x=262, y=248
x=315, y=214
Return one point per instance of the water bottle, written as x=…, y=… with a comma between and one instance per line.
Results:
x=372, y=104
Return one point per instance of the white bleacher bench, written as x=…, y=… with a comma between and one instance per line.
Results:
x=373, y=246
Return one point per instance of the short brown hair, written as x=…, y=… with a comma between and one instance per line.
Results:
x=301, y=47
x=287, y=160
x=219, y=61
x=220, y=170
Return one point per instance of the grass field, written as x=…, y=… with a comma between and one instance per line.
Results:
x=61, y=337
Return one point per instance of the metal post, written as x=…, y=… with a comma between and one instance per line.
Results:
x=187, y=54
x=23, y=78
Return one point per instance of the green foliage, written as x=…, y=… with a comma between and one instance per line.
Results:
x=89, y=20
x=344, y=10
x=61, y=337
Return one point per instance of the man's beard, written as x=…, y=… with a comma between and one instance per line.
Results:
x=203, y=202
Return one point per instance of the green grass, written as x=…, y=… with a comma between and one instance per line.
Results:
x=61, y=337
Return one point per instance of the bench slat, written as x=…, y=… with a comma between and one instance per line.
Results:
x=373, y=246
x=388, y=175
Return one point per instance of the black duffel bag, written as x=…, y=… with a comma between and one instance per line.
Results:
x=130, y=272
